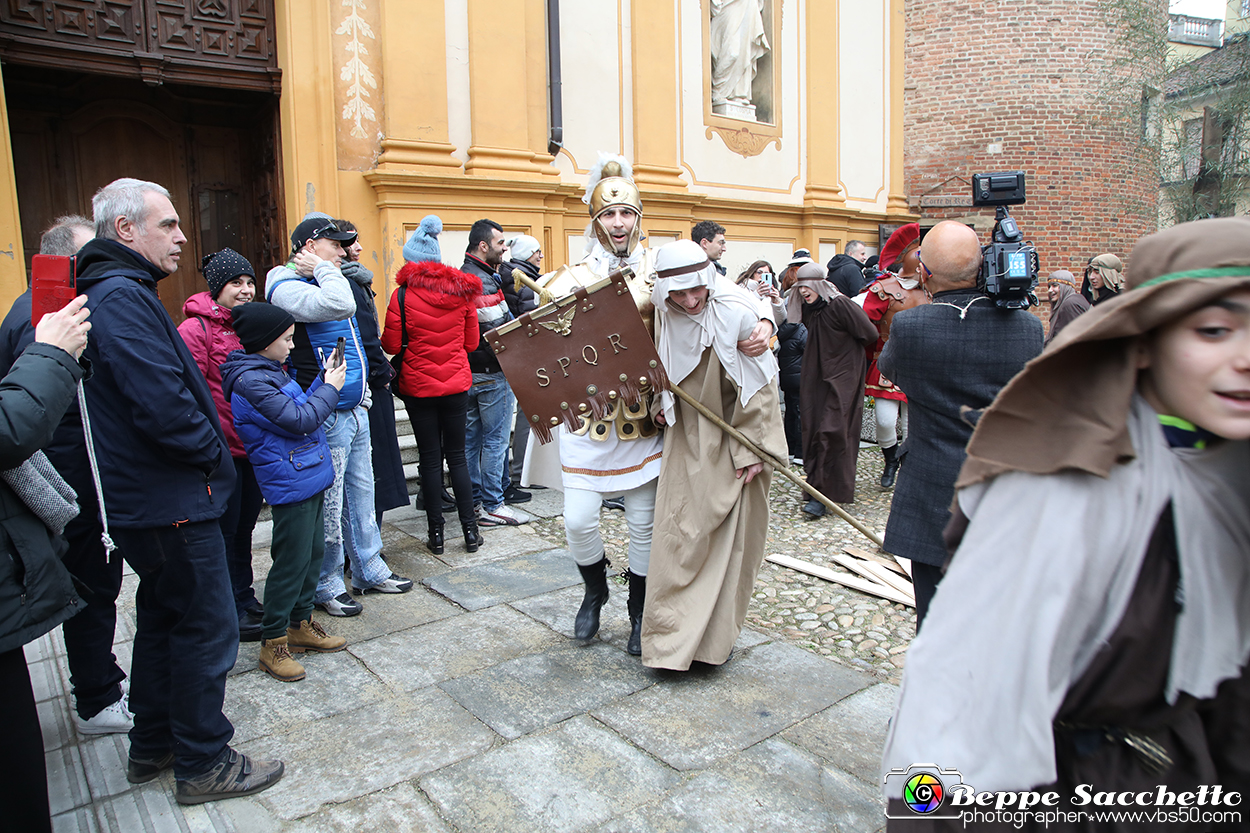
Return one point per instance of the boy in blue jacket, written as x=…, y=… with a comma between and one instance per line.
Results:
x=280, y=426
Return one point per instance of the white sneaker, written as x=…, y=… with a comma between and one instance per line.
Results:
x=503, y=515
x=114, y=718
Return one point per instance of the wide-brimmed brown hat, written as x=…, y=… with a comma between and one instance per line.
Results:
x=1068, y=408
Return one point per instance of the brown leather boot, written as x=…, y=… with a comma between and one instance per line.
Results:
x=276, y=661
x=310, y=636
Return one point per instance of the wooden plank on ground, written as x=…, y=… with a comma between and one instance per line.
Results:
x=877, y=573
x=854, y=582
x=905, y=563
x=888, y=563
x=900, y=583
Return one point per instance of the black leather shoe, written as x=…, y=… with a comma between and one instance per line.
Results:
x=617, y=503
x=586, y=624
x=512, y=496
x=249, y=627
x=472, y=537
x=814, y=509
x=435, y=542
x=892, y=461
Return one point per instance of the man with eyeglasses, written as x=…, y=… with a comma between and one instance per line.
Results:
x=956, y=351
x=312, y=288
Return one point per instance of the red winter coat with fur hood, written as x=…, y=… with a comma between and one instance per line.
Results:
x=442, y=327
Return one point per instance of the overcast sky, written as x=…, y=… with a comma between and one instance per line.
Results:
x=1200, y=8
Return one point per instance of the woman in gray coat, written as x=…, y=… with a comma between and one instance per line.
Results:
x=36, y=593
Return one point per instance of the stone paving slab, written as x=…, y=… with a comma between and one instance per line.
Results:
x=344, y=756
x=429, y=654
x=558, y=609
x=401, y=809
x=699, y=717
x=498, y=543
x=104, y=759
x=773, y=786
x=851, y=733
x=528, y=693
x=55, y=722
x=574, y=777
x=67, y=783
x=258, y=705
x=485, y=585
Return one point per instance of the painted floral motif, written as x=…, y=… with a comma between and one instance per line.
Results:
x=356, y=72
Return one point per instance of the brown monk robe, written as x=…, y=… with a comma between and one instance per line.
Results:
x=831, y=384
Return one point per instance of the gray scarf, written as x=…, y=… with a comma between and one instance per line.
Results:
x=44, y=491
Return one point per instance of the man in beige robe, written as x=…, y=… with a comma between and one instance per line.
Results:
x=711, y=518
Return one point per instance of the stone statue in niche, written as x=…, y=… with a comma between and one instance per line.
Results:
x=738, y=41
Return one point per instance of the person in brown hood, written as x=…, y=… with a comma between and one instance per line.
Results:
x=1065, y=303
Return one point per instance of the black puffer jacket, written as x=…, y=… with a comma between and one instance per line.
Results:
x=792, y=339
x=524, y=300
x=36, y=593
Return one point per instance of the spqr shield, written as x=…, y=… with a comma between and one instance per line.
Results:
x=579, y=356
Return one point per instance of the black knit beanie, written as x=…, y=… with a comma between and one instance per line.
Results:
x=259, y=324
x=222, y=267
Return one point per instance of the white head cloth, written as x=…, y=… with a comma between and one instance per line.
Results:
x=1027, y=603
x=729, y=316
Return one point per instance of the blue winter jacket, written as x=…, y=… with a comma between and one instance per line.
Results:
x=163, y=457
x=280, y=426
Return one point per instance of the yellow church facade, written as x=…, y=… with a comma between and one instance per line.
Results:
x=389, y=110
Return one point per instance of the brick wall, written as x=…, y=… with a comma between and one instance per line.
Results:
x=994, y=86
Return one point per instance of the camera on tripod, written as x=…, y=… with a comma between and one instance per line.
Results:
x=1009, y=265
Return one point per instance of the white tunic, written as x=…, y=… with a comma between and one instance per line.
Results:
x=610, y=465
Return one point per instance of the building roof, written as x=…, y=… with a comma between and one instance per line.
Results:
x=1215, y=69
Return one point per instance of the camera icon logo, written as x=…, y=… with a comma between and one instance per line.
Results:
x=925, y=789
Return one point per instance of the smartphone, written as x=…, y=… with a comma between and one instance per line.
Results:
x=336, y=358
x=52, y=285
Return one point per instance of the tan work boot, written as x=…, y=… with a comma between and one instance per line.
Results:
x=276, y=661
x=310, y=636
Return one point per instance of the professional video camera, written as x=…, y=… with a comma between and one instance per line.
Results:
x=1009, y=265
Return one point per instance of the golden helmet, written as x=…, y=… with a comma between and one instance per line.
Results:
x=613, y=189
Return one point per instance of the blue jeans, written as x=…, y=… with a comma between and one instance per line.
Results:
x=486, y=436
x=187, y=639
x=350, y=522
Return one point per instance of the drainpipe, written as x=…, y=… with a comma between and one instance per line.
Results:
x=555, y=109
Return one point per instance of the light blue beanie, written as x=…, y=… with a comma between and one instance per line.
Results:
x=422, y=244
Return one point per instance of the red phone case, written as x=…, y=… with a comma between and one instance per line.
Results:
x=52, y=285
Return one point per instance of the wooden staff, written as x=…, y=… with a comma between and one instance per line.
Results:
x=777, y=464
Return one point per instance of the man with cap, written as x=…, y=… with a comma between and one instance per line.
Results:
x=893, y=293
x=1065, y=302
x=952, y=354
x=166, y=474
x=314, y=291
x=712, y=501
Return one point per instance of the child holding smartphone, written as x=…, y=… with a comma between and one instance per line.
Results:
x=1093, y=626
x=280, y=426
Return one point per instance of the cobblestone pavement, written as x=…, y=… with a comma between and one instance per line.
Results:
x=852, y=628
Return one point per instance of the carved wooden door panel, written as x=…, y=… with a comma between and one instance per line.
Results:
x=222, y=43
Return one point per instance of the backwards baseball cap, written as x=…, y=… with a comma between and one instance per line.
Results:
x=316, y=228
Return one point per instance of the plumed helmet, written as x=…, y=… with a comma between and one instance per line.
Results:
x=611, y=184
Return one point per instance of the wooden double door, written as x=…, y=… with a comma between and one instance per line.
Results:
x=217, y=151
